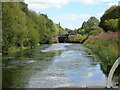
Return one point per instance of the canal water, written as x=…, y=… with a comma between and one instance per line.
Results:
x=50, y=66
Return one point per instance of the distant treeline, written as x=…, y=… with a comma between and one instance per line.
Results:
x=110, y=21
x=89, y=27
x=22, y=27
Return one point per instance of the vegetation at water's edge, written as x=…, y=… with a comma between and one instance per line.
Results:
x=77, y=38
x=106, y=44
x=106, y=47
x=23, y=28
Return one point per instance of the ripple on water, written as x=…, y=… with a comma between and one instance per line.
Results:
x=56, y=47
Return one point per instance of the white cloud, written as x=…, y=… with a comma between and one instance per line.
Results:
x=71, y=26
x=69, y=18
x=86, y=2
x=109, y=0
x=73, y=16
x=112, y=4
x=45, y=4
x=89, y=2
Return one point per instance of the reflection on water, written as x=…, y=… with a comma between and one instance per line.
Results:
x=49, y=66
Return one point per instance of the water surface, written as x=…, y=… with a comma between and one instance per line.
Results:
x=49, y=66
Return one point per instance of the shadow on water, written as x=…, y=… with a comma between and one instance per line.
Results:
x=18, y=67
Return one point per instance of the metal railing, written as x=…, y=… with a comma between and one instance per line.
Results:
x=115, y=65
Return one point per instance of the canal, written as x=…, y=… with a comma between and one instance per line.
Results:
x=50, y=66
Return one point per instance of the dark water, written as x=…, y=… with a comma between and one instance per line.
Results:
x=49, y=66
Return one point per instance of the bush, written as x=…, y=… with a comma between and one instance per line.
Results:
x=95, y=30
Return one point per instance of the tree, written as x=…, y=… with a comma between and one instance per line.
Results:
x=87, y=25
x=26, y=28
x=93, y=21
x=112, y=13
x=111, y=24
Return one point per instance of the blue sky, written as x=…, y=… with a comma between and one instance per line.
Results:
x=71, y=13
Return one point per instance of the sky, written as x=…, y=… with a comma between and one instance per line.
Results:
x=71, y=13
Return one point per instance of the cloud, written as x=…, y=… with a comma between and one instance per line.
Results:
x=45, y=4
x=73, y=16
x=109, y=0
x=73, y=21
x=89, y=2
x=106, y=0
x=112, y=4
x=86, y=2
x=71, y=25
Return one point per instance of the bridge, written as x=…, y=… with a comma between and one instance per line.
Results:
x=63, y=38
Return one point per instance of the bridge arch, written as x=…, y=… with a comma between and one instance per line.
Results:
x=115, y=65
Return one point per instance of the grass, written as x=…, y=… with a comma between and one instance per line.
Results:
x=106, y=48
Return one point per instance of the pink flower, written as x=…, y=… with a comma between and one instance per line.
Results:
x=105, y=35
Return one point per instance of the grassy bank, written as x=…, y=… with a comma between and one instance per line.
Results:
x=14, y=50
x=105, y=45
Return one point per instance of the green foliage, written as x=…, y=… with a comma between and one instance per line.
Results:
x=77, y=38
x=85, y=29
x=95, y=30
x=67, y=29
x=106, y=48
x=81, y=31
x=14, y=25
x=23, y=7
x=92, y=21
x=25, y=28
x=60, y=30
x=108, y=51
x=110, y=16
x=111, y=24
